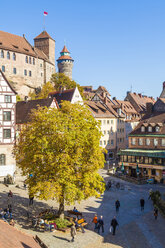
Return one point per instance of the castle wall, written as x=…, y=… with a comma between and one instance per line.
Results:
x=66, y=68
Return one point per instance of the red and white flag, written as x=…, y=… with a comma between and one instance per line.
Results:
x=45, y=13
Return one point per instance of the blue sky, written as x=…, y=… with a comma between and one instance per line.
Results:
x=115, y=43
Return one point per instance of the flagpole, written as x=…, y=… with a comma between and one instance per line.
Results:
x=44, y=22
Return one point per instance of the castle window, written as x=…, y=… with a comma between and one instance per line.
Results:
x=30, y=73
x=2, y=159
x=14, y=70
x=7, y=115
x=25, y=72
x=8, y=55
x=26, y=59
x=163, y=142
x=7, y=98
x=3, y=68
x=111, y=142
x=33, y=61
x=14, y=56
x=40, y=65
x=30, y=60
x=41, y=74
x=142, y=129
x=6, y=133
x=2, y=54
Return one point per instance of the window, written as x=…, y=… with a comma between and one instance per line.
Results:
x=30, y=73
x=14, y=56
x=111, y=121
x=147, y=142
x=26, y=59
x=2, y=54
x=142, y=129
x=6, y=133
x=111, y=130
x=30, y=60
x=7, y=98
x=149, y=129
x=3, y=68
x=133, y=141
x=100, y=143
x=14, y=70
x=107, y=121
x=2, y=159
x=104, y=132
x=104, y=142
x=111, y=142
x=104, y=121
x=7, y=115
x=25, y=72
x=163, y=142
x=155, y=142
x=108, y=132
x=40, y=65
x=8, y=55
x=33, y=61
x=108, y=142
x=157, y=128
x=140, y=141
x=153, y=172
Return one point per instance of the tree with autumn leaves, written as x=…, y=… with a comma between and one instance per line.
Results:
x=60, y=149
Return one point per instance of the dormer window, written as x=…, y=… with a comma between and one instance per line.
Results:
x=142, y=129
x=149, y=129
x=157, y=128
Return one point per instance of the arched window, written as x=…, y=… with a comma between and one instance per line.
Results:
x=26, y=59
x=2, y=159
x=2, y=54
x=14, y=56
x=8, y=55
x=30, y=60
x=33, y=61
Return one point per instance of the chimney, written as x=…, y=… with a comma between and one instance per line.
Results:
x=149, y=107
x=114, y=98
x=23, y=35
x=26, y=99
x=140, y=95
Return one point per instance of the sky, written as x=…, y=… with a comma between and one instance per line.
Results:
x=119, y=44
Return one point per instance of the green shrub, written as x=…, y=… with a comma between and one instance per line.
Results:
x=62, y=223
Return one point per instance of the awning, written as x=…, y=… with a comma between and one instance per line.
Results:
x=144, y=153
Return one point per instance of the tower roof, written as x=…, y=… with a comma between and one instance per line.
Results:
x=43, y=35
x=65, y=50
x=65, y=54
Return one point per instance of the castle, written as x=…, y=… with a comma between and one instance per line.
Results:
x=28, y=67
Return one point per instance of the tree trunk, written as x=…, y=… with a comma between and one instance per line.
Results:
x=61, y=208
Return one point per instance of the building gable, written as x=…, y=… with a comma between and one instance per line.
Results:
x=76, y=98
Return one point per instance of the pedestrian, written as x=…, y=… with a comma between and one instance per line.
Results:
x=117, y=204
x=142, y=202
x=114, y=224
x=73, y=232
x=31, y=197
x=10, y=194
x=100, y=224
x=77, y=225
x=155, y=213
x=95, y=222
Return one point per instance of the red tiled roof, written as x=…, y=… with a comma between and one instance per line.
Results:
x=10, y=237
x=64, y=57
x=63, y=95
x=64, y=50
x=43, y=35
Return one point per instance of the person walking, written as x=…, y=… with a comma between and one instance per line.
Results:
x=73, y=232
x=95, y=222
x=31, y=197
x=155, y=213
x=100, y=224
x=142, y=202
x=114, y=224
x=117, y=204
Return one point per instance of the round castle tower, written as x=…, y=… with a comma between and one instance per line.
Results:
x=65, y=63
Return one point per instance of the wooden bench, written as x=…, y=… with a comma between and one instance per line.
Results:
x=71, y=212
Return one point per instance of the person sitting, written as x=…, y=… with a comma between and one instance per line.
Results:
x=48, y=226
x=77, y=225
x=75, y=210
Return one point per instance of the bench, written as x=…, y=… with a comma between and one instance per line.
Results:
x=71, y=212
